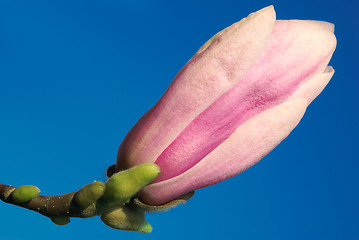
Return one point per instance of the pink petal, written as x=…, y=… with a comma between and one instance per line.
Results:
x=247, y=145
x=294, y=53
x=217, y=68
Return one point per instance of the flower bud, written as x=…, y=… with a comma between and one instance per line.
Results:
x=235, y=100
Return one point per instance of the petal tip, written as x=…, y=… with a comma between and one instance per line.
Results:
x=268, y=11
x=269, y=8
x=328, y=26
x=329, y=69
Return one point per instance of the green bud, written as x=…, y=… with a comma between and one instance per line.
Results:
x=25, y=193
x=123, y=185
x=60, y=220
x=126, y=218
x=89, y=194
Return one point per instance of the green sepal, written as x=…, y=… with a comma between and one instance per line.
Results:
x=25, y=193
x=126, y=218
x=61, y=220
x=146, y=228
x=124, y=185
x=89, y=194
x=159, y=208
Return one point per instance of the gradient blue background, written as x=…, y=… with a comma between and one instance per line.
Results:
x=75, y=76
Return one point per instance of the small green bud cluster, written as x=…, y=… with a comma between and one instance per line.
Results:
x=115, y=201
x=119, y=189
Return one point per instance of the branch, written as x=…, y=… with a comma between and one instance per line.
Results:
x=115, y=200
x=47, y=206
x=110, y=200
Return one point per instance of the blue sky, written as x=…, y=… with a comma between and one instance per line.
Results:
x=75, y=76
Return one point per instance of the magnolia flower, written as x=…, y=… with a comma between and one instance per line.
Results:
x=235, y=100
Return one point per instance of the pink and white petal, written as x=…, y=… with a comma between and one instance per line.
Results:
x=294, y=54
x=217, y=68
x=311, y=89
x=246, y=146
